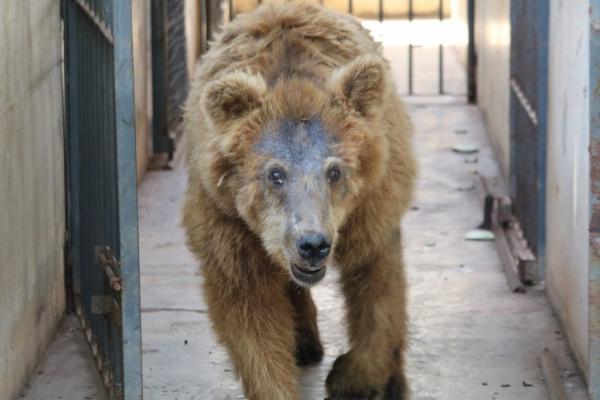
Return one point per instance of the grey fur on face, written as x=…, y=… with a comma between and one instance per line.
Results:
x=301, y=151
x=301, y=145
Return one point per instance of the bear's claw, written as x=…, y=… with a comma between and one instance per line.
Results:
x=308, y=350
x=395, y=388
x=350, y=396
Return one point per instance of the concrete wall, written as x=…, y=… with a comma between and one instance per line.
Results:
x=492, y=40
x=143, y=88
x=193, y=33
x=568, y=157
x=568, y=170
x=32, y=204
x=459, y=14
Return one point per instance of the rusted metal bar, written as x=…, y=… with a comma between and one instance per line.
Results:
x=114, y=281
x=109, y=263
x=380, y=10
x=518, y=262
x=350, y=7
x=508, y=263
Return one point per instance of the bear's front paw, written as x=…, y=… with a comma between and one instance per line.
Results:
x=350, y=396
x=341, y=385
x=308, y=348
x=396, y=388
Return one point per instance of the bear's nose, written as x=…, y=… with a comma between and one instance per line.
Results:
x=313, y=247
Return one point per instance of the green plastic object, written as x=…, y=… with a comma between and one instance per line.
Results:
x=466, y=149
x=480, y=234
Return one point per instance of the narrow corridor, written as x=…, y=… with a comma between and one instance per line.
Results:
x=470, y=336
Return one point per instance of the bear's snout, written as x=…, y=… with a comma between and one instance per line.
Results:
x=313, y=247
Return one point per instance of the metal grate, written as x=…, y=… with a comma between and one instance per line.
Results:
x=102, y=199
x=176, y=63
x=410, y=10
x=169, y=72
x=528, y=83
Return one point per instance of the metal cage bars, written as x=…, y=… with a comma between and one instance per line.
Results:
x=411, y=47
x=102, y=187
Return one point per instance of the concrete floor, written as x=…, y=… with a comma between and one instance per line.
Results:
x=67, y=371
x=471, y=337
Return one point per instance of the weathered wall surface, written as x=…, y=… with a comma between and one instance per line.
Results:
x=193, y=33
x=32, y=205
x=492, y=40
x=568, y=170
x=568, y=157
x=459, y=14
x=143, y=88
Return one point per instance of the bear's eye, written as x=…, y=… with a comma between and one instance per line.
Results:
x=334, y=174
x=277, y=177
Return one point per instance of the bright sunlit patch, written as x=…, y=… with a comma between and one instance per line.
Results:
x=422, y=32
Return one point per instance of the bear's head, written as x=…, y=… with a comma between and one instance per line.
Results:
x=295, y=157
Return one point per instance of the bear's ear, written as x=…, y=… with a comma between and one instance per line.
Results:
x=234, y=96
x=361, y=83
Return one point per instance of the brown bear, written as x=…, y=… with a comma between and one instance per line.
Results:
x=299, y=159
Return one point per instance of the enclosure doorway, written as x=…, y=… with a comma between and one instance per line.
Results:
x=102, y=247
x=429, y=41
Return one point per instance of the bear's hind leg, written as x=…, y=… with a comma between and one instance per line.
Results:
x=308, y=344
x=374, y=366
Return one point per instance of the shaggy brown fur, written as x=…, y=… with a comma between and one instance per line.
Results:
x=300, y=62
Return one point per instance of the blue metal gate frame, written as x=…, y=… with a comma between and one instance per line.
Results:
x=594, y=226
x=102, y=187
x=128, y=207
x=528, y=122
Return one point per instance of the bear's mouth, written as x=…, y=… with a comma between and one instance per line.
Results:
x=308, y=276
